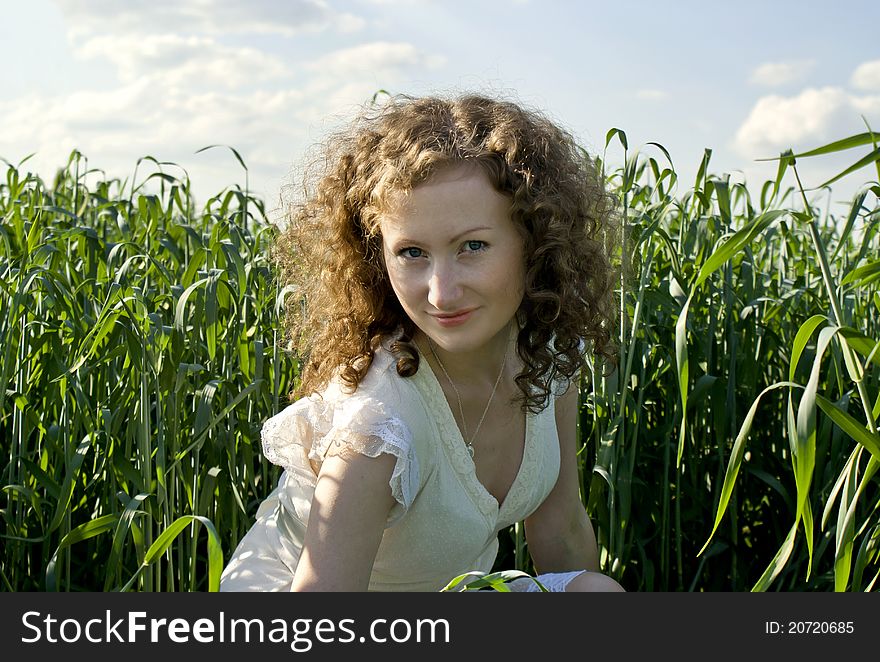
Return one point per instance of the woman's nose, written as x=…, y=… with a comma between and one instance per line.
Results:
x=444, y=289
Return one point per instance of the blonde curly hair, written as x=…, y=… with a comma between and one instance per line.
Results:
x=330, y=247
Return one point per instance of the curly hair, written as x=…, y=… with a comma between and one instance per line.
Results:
x=330, y=246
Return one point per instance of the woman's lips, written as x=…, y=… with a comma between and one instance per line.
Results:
x=454, y=319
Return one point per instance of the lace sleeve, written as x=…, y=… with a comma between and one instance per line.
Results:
x=300, y=436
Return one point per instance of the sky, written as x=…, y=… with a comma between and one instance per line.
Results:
x=124, y=79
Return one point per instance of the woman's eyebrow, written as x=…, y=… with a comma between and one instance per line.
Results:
x=452, y=240
x=466, y=232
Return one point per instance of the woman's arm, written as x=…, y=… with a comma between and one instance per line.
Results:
x=559, y=533
x=348, y=515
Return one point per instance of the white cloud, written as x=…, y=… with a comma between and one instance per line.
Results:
x=651, y=95
x=867, y=76
x=179, y=61
x=375, y=58
x=774, y=74
x=181, y=87
x=343, y=80
x=178, y=94
x=813, y=117
x=85, y=17
x=407, y=3
x=113, y=128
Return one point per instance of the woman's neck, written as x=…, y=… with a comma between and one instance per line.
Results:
x=475, y=368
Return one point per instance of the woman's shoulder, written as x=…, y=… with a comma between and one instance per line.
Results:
x=380, y=396
x=383, y=382
x=371, y=419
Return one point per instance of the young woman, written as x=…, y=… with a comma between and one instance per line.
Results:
x=451, y=261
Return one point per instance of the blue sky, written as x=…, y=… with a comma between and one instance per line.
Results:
x=124, y=79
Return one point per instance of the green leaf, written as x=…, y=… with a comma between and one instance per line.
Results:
x=851, y=463
x=681, y=364
x=860, y=140
x=736, y=242
x=703, y=169
x=73, y=467
x=844, y=534
x=867, y=347
x=666, y=154
x=857, y=431
x=736, y=457
x=180, y=310
x=231, y=149
x=621, y=135
x=84, y=531
x=496, y=581
x=867, y=552
x=211, y=319
x=873, y=157
x=119, y=537
x=778, y=562
x=805, y=332
x=854, y=211
x=178, y=526
x=865, y=274
x=206, y=395
x=805, y=449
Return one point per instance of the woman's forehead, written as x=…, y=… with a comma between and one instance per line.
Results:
x=446, y=210
x=458, y=184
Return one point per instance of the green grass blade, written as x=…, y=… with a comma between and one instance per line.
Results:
x=867, y=160
x=84, y=531
x=167, y=537
x=805, y=332
x=857, y=431
x=779, y=561
x=735, y=461
x=736, y=242
x=681, y=364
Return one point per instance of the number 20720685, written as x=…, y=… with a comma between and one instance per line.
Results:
x=809, y=627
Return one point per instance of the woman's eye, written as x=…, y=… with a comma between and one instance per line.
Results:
x=475, y=245
x=411, y=252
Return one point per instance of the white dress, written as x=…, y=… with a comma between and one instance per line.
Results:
x=444, y=522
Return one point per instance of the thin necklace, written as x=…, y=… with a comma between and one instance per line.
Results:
x=470, y=442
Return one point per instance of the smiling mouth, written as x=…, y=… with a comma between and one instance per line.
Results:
x=453, y=319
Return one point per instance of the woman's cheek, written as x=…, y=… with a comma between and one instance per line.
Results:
x=399, y=285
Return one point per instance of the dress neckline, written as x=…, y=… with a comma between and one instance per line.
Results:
x=461, y=460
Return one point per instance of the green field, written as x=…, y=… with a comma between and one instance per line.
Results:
x=735, y=447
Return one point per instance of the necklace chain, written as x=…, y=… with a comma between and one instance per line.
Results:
x=470, y=442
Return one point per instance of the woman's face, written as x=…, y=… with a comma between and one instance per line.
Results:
x=455, y=259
